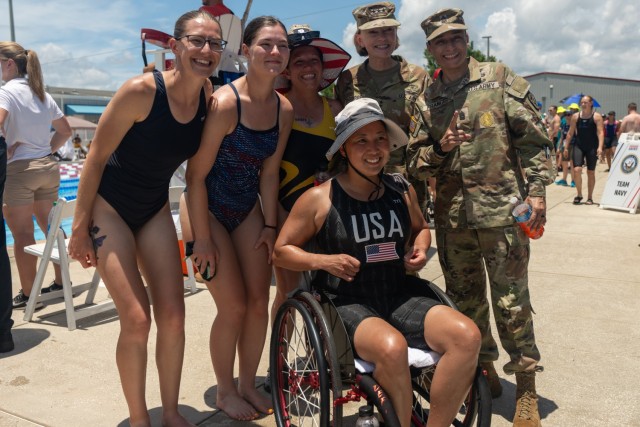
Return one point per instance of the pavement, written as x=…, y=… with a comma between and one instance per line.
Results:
x=584, y=277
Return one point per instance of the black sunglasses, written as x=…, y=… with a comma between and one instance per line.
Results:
x=302, y=38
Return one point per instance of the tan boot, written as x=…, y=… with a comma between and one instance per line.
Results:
x=492, y=378
x=527, y=414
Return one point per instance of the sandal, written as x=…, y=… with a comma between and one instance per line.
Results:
x=577, y=200
x=589, y=202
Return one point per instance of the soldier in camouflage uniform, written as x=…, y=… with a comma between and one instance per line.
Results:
x=387, y=78
x=478, y=131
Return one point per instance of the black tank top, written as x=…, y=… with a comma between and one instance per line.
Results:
x=587, y=133
x=375, y=232
x=136, y=178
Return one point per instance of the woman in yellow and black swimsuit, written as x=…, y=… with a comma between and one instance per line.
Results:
x=314, y=64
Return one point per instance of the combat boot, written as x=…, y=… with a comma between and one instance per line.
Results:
x=492, y=378
x=527, y=414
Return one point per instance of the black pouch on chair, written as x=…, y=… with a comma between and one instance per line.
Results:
x=206, y=274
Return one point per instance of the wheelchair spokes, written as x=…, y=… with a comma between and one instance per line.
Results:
x=308, y=375
x=300, y=374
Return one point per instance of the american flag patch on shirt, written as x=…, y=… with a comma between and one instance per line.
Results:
x=381, y=252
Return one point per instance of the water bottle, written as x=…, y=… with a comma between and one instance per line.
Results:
x=366, y=417
x=522, y=212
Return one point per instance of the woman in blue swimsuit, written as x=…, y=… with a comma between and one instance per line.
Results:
x=122, y=223
x=234, y=231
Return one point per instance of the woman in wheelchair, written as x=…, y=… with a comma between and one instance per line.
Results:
x=369, y=232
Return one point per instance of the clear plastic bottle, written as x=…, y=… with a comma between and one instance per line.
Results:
x=366, y=417
x=522, y=212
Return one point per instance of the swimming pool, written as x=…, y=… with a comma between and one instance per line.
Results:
x=68, y=190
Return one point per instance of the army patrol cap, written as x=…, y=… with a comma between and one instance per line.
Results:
x=443, y=21
x=376, y=15
x=359, y=113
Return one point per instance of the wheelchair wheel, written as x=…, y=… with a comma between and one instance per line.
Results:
x=330, y=354
x=476, y=406
x=298, y=370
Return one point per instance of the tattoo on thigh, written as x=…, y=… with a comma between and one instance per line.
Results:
x=97, y=241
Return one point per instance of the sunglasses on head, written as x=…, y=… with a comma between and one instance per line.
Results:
x=301, y=38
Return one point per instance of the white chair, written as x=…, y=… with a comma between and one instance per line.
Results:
x=174, y=202
x=55, y=250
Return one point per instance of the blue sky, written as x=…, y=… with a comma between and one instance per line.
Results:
x=96, y=44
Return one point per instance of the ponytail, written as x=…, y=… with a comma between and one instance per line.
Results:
x=34, y=71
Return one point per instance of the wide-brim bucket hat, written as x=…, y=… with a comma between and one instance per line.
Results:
x=359, y=113
x=334, y=58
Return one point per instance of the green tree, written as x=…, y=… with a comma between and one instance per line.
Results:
x=477, y=54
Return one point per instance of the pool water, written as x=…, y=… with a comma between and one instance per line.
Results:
x=68, y=190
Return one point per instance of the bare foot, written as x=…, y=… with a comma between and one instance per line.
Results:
x=237, y=408
x=259, y=400
x=175, y=420
x=145, y=421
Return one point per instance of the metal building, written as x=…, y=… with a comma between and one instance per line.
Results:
x=612, y=94
x=88, y=104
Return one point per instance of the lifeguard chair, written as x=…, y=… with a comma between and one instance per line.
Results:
x=232, y=63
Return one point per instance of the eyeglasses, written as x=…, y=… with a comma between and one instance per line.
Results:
x=216, y=45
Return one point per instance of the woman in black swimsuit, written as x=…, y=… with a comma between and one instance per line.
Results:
x=123, y=225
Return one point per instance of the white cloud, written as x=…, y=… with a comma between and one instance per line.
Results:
x=589, y=37
x=96, y=44
x=347, y=44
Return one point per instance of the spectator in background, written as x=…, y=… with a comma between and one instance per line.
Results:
x=587, y=129
x=6, y=338
x=610, y=137
x=553, y=129
x=78, y=150
x=215, y=7
x=27, y=114
x=630, y=122
x=565, y=160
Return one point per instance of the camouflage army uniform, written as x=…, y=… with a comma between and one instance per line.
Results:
x=395, y=99
x=508, y=155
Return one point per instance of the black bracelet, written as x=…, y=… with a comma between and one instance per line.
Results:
x=271, y=226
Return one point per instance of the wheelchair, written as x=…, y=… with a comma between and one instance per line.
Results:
x=313, y=372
